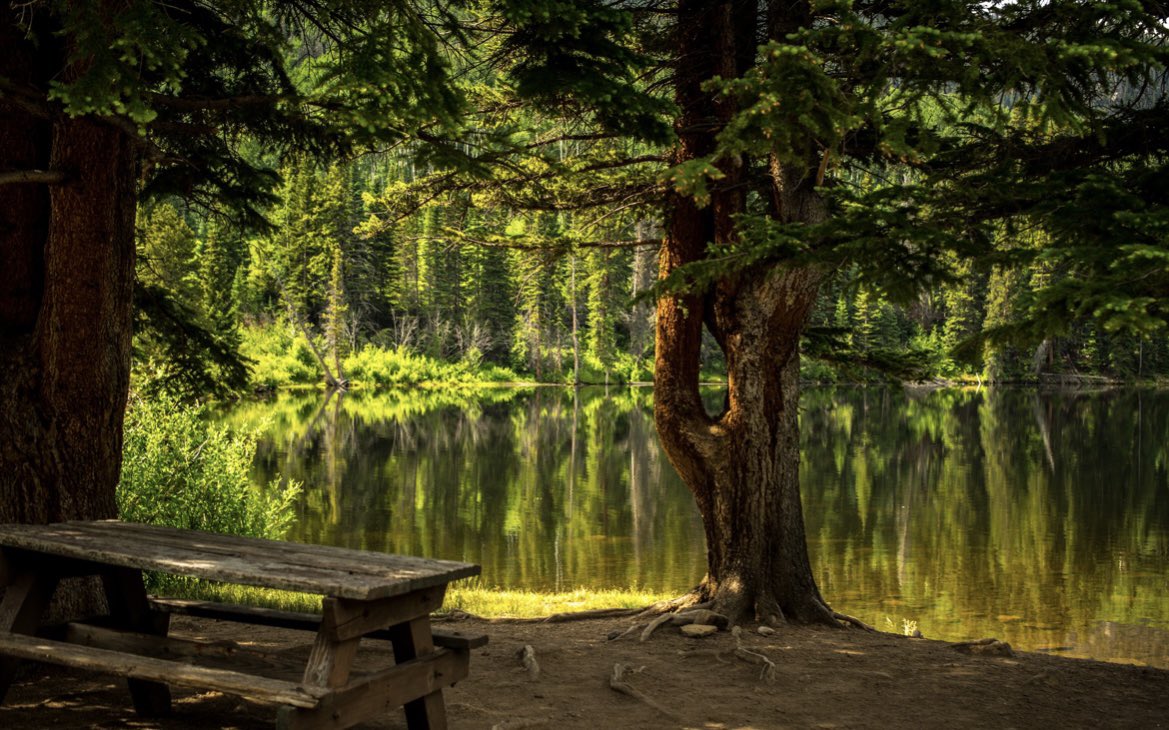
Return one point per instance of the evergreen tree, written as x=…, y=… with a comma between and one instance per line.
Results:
x=963, y=311
x=969, y=114
x=167, y=258
x=218, y=265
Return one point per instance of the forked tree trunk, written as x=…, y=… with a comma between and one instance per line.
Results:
x=743, y=464
x=67, y=276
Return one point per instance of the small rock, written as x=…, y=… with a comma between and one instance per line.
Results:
x=766, y=630
x=697, y=631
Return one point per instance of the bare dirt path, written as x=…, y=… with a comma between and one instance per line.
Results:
x=823, y=679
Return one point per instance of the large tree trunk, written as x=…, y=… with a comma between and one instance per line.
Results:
x=743, y=464
x=67, y=272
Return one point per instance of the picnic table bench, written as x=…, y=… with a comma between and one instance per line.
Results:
x=371, y=595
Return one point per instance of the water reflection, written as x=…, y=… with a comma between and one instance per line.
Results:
x=1042, y=519
x=544, y=490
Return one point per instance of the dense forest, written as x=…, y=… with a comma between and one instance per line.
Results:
x=364, y=193
x=334, y=289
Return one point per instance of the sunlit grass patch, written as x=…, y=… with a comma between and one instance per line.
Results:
x=496, y=603
x=477, y=600
x=202, y=590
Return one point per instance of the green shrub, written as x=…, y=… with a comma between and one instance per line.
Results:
x=375, y=368
x=282, y=359
x=279, y=358
x=179, y=470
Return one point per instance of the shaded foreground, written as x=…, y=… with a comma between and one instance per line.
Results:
x=824, y=678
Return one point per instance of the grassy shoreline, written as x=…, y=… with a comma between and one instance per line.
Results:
x=472, y=599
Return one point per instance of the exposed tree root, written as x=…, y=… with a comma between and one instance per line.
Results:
x=700, y=616
x=824, y=615
x=852, y=620
x=653, y=626
x=458, y=615
x=618, y=684
x=767, y=671
x=692, y=600
x=527, y=657
x=592, y=613
x=636, y=626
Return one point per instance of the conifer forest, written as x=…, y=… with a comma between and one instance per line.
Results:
x=365, y=212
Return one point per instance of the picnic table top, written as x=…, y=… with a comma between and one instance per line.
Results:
x=319, y=569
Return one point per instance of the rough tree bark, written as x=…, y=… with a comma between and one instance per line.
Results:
x=66, y=291
x=741, y=465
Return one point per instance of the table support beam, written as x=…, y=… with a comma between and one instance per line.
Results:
x=26, y=597
x=130, y=610
x=412, y=640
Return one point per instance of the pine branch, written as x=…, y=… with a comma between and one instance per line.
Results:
x=518, y=246
x=42, y=177
x=231, y=102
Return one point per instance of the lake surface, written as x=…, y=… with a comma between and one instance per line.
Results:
x=1041, y=519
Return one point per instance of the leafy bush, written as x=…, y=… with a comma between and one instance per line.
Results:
x=179, y=470
x=374, y=367
x=283, y=359
x=279, y=358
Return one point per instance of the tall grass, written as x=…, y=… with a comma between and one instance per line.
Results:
x=461, y=596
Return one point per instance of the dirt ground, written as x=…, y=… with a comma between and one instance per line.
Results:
x=823, y=679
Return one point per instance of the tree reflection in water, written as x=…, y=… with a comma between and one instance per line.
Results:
x=1038, y=518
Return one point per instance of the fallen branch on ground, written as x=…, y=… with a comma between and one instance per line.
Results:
x=527, y=657
x=592, y=613
x=617, y=683
x=768, y=667
x=522, y=722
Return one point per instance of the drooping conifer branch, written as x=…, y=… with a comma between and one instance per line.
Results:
x=41, y=177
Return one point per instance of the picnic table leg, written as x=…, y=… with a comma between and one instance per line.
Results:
x=329, y=665
x=26, y=596
x=130, y=609
x=411, y=640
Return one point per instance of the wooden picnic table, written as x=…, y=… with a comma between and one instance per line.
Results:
x=366, y=594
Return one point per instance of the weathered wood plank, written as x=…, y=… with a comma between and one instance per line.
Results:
x=298, y=620
x=120, y=664
x=325, y=556
x=250, y=561
x=332, y=656
x=347, y=619
x=380, y=693
x=214, y=654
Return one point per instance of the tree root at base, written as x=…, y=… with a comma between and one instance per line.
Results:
x=653, y=626
x=688, y=601
x=767, y=671
x=617, y=683
x=852, y=621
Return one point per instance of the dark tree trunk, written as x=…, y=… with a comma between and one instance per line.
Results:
x=67, y=272
x=742, y=465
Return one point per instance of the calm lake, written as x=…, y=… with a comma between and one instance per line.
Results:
x=1038, y=518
